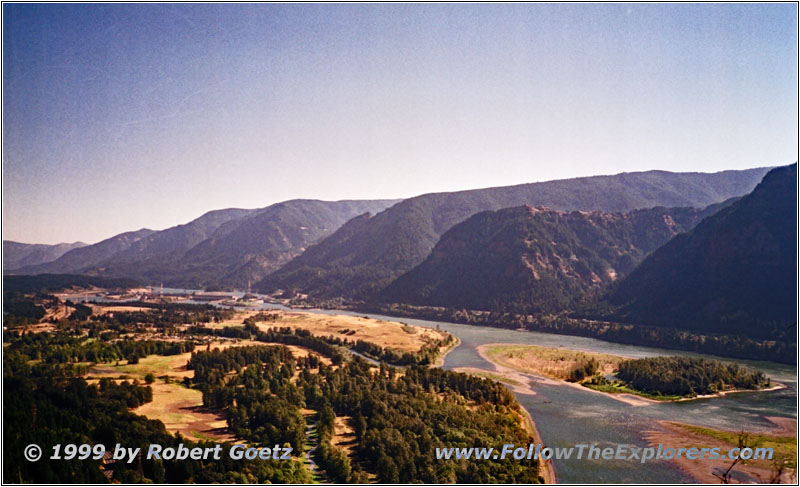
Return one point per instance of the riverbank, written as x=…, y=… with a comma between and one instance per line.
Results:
x=782, y=440
x=442, y=355
x=737, y=347
x=514, y=381
x=546, y=469
x=520, y=385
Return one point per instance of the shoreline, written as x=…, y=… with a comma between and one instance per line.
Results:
x=439, y=362
x=677, y=434
x=626, y=397
x=516, y=383
x=546, y=469
x=522, y=386
x=505, y=370
x=423, y=316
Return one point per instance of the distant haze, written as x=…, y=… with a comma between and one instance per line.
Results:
x=123, y=116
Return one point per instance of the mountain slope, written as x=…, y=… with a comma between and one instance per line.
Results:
x=16, y=254
x=734, y=273
x=394, y=241
x=221, y=248
x=77, y=259
x=248, y=249
x=526, y=259
x=153, y=257
x=132, y=254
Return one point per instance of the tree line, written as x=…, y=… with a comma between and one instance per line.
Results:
x=781, y=349
x=687, y=376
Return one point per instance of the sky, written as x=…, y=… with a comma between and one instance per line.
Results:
x=123, y=116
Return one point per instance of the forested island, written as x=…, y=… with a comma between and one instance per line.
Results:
x=679, y=377
x=658, y=378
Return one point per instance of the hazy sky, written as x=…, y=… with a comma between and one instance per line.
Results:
x=117, y=117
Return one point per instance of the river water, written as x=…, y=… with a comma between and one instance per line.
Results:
x=566, y=416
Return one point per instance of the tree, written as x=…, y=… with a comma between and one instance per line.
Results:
x=725, y=477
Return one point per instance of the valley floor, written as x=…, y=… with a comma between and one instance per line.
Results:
x=181, y=408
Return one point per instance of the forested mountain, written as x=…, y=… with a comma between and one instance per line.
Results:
x=79, y=259
x=153, y=257
x=733, y=273
x=181, y=237
x=133, y=255
x=16, y=254
x=534, y=259
x=248, y=249
x=234, y=247
x=224, y=247
x=363, y=262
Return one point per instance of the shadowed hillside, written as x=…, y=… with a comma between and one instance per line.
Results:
x=538, y=260
x=16, y=254
x=394, y=241
x=734, y=273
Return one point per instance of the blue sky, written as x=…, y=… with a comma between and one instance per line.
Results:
x=117, y=117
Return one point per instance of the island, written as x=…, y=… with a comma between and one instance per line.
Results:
x=674, y=378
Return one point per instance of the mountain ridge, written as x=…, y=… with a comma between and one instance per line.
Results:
x=535, y=259
x=221, y=247
x=18, y=254
x=395, y=240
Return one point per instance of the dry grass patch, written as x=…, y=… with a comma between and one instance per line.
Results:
x=102, y=309
x=555, y=363
x=37, y=328
x=181, y=410
x=389, y=334
x=344, y=436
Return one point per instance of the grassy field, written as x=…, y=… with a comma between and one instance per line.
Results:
x=158, y=365
x=389, y=334
x=554, y=363
x=178, y=407
x=181, y=410
x=174, y=366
